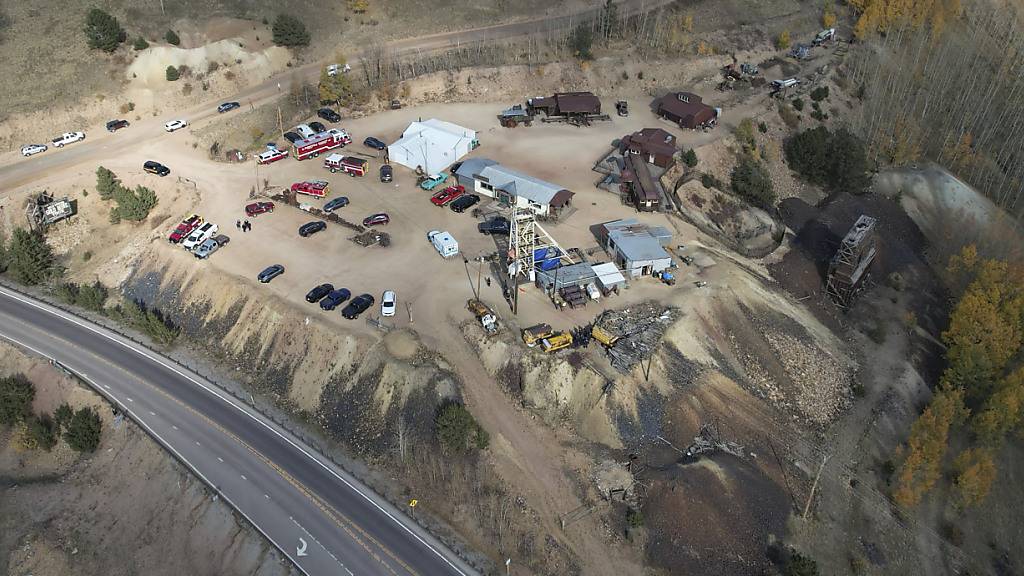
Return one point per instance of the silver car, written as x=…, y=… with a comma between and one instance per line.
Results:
x=30, y=149
x=208, y=247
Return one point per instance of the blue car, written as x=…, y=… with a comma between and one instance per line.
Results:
x=336, y=203
x=331, y=301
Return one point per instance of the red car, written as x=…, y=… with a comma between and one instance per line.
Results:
x=447, y=195
x=257, y=208
x=376, y=219
x=318, y=188
x=185, y=228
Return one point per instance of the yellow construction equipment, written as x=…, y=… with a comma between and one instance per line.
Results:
x=534, y=334
x=556, y=342
x=488, y=319
x=603, y=336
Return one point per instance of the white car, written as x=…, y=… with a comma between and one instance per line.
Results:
x=387, y=303
x=175, y=125
x=30, y=149
x=68, y=138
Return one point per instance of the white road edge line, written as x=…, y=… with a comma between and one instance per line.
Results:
x=177, y=454
x=145, y=354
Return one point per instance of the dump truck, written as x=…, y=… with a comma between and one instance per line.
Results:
x=556, y=342
x=534, y=334
x=488, y=319
x=606, y=338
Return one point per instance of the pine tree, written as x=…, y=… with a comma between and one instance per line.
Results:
x=102, y=31
x=16, y=396
x=106, y=183
x=290, y=31
x=84, y=430
x=172, y=38
x=30, y=259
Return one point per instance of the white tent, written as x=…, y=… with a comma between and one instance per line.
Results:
x=432, y=145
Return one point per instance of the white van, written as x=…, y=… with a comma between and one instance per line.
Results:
x=443, y=242
x=304, y=130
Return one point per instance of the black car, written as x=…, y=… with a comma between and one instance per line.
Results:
x=316, y=294
x=357, y=306
x=372, y=142
x=115, y=125
x=292, y=137
x=225, y=107
x=318, y=127
x=270, y=272
x=386, y=173
x=156, y=168
x=499, y=225
x=339, y=202
x=335, y=298
x=463, y=202
x=310, y=228
x=328, y=115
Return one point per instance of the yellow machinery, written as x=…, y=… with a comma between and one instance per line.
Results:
x=603, y=336
x=534, y=334
x=488, y=319
x=556, y=342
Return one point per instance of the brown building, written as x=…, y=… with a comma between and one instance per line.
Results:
x=640, y=185
x=653, y=145
x=687, y=110
x=566, y=104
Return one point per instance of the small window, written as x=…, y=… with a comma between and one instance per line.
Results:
x=487, y=186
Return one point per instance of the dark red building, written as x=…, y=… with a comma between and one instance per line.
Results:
x=687, y=110
x=652, y=145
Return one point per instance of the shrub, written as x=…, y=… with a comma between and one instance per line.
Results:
x=66, y=292
x=290, y=31
x=84, y=430
x=40, y=432
x=132, y=205
x=798, y=104
x=457, y=430
x=745, y=134
x=762, y=127
x=102, y=31
x=172, y=74
x=789, y=117
x=820, y=93
x=836, y=161
x=149, y=322
x=127, y=107
x=212, y=66
x=581, y=39
x=140, y=43
x=711, y=181
x=172, y=38
x=29, y=258
x=634, y=518
x=690, y=158
x=92, y=296
x=751, y=181
x=783, y=41
x=16, y=395
x=800, y=565
x=62, y=416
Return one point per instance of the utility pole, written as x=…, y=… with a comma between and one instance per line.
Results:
x=810, y=497
x=280, y=122
x=479, y=273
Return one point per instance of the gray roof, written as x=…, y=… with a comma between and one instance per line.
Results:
x=637, y=242
x=571, y=275
x=515, y=183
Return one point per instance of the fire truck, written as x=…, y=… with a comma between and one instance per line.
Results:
x=321, y=142
x=349, y=164
x=318, y=188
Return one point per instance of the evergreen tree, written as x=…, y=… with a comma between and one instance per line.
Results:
x=106, y=183
x=102, y=31
x=172, y=74
x=84, y=430
x=16, y=395
x=30, y=259
x=290, y=31
x=172, y=38
x=690, y=158
x=751, y=181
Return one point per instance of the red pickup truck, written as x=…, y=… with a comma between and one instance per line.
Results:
x=185, y=228
x=447, y=195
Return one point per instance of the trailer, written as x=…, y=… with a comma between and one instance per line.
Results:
x=312, y=146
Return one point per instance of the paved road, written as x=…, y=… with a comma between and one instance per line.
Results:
x=291, y=495
x=99, y=144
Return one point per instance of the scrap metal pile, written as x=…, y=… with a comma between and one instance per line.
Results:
x=371, y=238
x=632, y=334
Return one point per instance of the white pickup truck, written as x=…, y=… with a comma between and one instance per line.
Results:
x=199, y=235
x=68, y=138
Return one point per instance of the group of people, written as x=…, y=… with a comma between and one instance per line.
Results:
x=243, y=226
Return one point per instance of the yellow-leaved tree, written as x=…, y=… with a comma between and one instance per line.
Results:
x=927, y=445
x=975, y=471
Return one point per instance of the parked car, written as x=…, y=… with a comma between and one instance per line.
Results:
x=115, y=125
x=376, y=219
x=175, y=125
x=464, y=203
x=222, y=239
x=199, y=235
x=374, y=143
x=387, y=303
x=336, y=297
x=316, y=294
x=329, y=115
x=310, y=228
x=209, y=246
x=334, y=204
x=257, y=208
x=227, y=106
x=305, y=130
x=447, y=195
x=318, y=127
x=270, y=272
x=67, y=138
x=318, y=188
x=292, y=137
x=429, y=183
x=154, y=167
x=357, y=306
x=497, y=225
x=30, y=149
x=271, y=156
x=386, y=173
x=185, y=228
x=622, y=108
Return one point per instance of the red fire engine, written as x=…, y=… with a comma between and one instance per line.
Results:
x=321, y=142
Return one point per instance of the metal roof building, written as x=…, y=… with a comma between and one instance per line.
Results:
x=637, y=249
x=487, y=177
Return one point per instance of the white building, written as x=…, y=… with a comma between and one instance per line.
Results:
x=488, y=178
x=432, y=145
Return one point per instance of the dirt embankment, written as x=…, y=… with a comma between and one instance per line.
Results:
x=62, y=513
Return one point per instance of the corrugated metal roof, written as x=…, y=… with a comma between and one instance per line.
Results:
x=635, y=241
x=514, y=182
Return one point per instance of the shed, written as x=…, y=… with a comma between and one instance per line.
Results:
x=432, y=145
x=687, y=110
x=653, y=145
x=608, y=276
x=566, y=103
x=644, y=192
x=488, y=178
x=564, y=276
x=636, y=248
